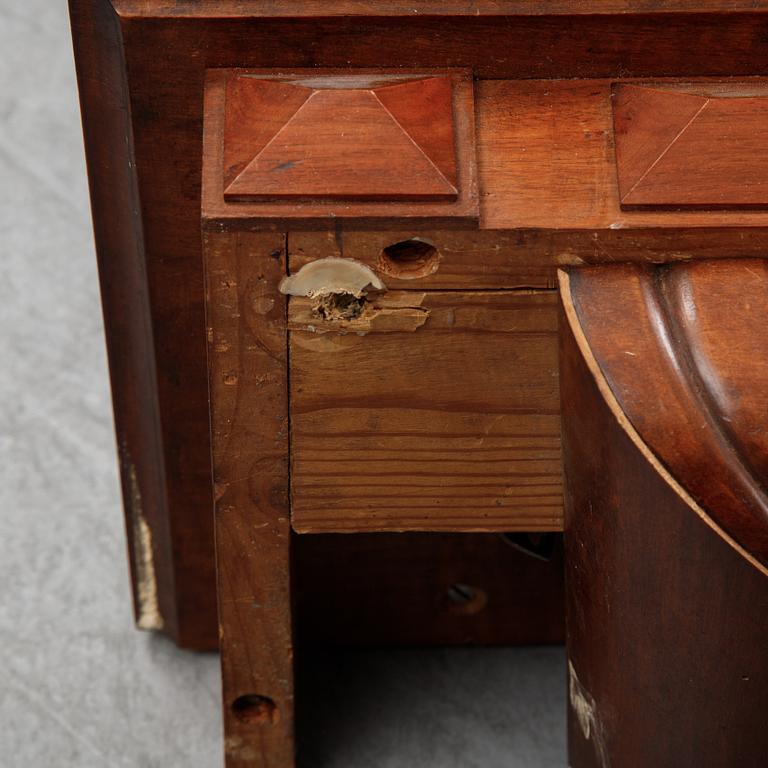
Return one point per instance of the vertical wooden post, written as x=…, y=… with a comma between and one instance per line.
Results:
x=667, y=600
x=249, y=417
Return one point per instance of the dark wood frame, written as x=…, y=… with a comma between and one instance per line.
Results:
x=141, y=66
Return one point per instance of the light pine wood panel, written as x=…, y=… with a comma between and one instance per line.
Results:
x=451, y=426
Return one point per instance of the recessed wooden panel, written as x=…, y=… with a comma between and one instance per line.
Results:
x=319, y=144
x=452, y=424
x=696, y=146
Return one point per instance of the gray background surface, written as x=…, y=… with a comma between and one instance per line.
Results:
x=78, y=685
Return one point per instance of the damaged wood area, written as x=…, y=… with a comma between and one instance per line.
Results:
x=346, y=296
x=372, y=313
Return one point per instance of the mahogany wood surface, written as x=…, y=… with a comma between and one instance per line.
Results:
x=152, y=525
x=141, y=68
x=547, y=160
x=364, y=145
x=667, y=615
x=686, y=359
x=491, y=259
x=448, y=423
x=692, y=147
x=310, y=8
x=378, y=139
x=249, y=425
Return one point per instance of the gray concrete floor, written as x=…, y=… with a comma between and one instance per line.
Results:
x=78, y=685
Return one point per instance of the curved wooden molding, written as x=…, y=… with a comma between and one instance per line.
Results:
x=681, y=356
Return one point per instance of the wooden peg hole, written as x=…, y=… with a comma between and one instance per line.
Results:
x=465, y=600
x=255, y=710
x=409, y=259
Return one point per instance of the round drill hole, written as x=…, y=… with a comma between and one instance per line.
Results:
x=465, y=599
x=409, y=259
x=254, y=709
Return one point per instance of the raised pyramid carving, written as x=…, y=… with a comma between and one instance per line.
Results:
x=292, y=140
x=698, y=146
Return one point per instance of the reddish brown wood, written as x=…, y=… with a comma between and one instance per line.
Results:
x=150, y=524
x=667, y=613
x=142, y=68
x=249, y=425
x=342, y=138
x=337, y=145
x=489, y=259
x=686, y=360
x=303, y=8
x=256, y=109
x=694, y=146
x=424, y=109
x=546, y=158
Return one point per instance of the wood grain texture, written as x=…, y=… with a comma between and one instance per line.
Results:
x=450, y=426
x=686, y=361
x=156, y=564
x=547, y=160
x=491, y=259
x=338, y=145
x=667, y=622
x=166, y=48
x=379, y=139
x=249, y=424
x=692, y=148
x=310, y=8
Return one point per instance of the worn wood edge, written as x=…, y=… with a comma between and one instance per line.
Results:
x=148, y=525
x=624, y=422
x=403, y=8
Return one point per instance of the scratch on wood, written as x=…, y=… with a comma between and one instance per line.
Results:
x=585, y=710
x=147, y=607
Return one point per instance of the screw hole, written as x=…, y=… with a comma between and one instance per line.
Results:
x=254, y=709
x=464, y=599
x=409, y=259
